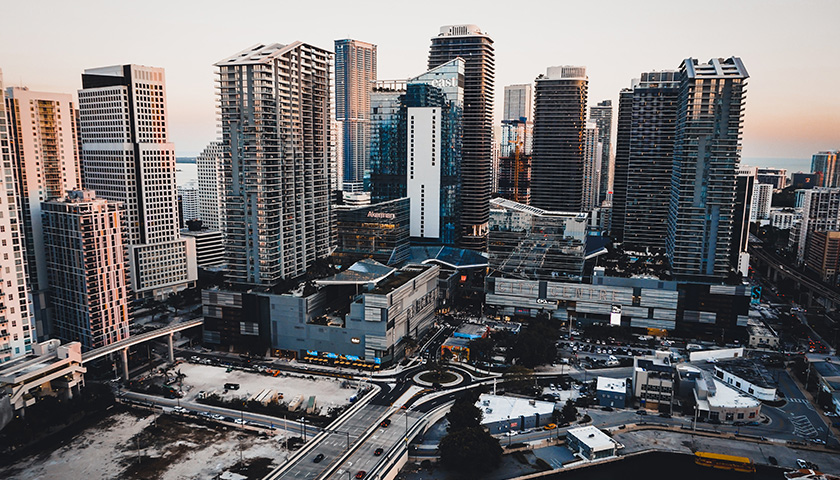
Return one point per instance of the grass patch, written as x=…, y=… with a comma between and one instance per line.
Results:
x=443, y=377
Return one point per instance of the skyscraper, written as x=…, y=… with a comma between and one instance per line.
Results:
x=518, y=102
x=355, y=69
x=43, y=131
x=211, y=187
x=762, y=198
x=559, y=143
x=820, y=213
x=417, y=147
x=622, y=163
x=602, y=115
x=476, y=48
x=825, y=164
x=647, y=140
x=127, y=157
x=514, y=164
x=739, y=256
x=275, y=118
x=84, y=241
x=591, y=166
x=17, y=325
x=706, y=156
x=189, y=202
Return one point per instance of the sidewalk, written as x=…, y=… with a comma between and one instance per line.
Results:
x=810, y=398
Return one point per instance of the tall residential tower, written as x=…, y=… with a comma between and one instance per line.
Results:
x=275, y=117
x=602, y=115
x=559, y=140
x=706, y=156
x=476, y=48
x=355, y=70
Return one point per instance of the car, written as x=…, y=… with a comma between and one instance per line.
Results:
x=385, y=423
x=550, y=426
x=641, y=412
x=510, y=434
x=239, y=421
x=665, y=415
x=318, y=458
x=714, y=421
x=772, y=460
x=801, y=463
x=179, y=410
x=378, y=452
x=739, y=423
x=608, y=409
x=361, y=474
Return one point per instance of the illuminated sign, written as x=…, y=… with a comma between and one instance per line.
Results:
x=444, y=82
x=377, y=360
x=312, y=353
x=330, y=355
x=352, y=358
x=355, y=340
x=389, y=216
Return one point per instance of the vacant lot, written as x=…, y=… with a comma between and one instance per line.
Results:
x=139, y=445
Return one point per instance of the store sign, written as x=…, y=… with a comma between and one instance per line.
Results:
x=355, y=340
x=615, y=316
x=389, y=216
x=444, y=82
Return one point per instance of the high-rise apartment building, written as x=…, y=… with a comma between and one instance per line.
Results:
x=739, y=256
x=762, y=199
x=211, y=187
x=624, y=123
x=602, y=115
x=476, y=49
x=355, y=70
x=17, y=325
x=773, y=176
x=820, y=213
x=706, y=156
x=188, y=194
x=416, y=152
x=275, y=117
x=518, y=102
x=825, y=164
x=127, y=157
x=43, y=130
x=559, y=141
x=591, y=166
x=644, y=159
x=84, y=242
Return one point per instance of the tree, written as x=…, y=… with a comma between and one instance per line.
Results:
x=518, y=378
x=470, y=451
x=464, y=414
x=569, y=412
x=481, y=349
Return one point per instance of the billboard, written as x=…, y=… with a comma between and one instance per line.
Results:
x=615, y=316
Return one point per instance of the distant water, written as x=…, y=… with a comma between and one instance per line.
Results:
x=663, y=466
x=186, y=172
x=792, y=165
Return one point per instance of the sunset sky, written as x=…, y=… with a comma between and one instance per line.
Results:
x=790, y=48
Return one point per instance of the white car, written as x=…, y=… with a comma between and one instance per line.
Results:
x=239, y=421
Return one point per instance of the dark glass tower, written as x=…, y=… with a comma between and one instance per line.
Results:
x=559, y=140
x=706, y=156
x=622, y=160
x=602, y=115
x=476, y=48
x=355, y=69
x=650, y=160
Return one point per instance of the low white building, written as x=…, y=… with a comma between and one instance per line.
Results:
x=747, y=376
x=716, y=400
x=591, y=443
x=761, y=335
x=502, y=414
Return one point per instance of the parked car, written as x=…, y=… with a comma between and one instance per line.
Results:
x=772, y=460
x=550, y=426
x=641, y=412
x=318, y=458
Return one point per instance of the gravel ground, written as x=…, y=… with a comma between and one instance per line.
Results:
x=211, y=379
x=169, y=449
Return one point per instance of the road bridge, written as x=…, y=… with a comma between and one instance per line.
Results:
x=123, y=345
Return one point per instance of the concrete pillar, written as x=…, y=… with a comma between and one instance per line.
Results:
x=124, y=352
x=171, y=348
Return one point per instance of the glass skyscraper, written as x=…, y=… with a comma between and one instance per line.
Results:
x=355, y=70
x=416, y=150
x=706, y=156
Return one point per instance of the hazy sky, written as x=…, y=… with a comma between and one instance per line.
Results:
x=790, y=48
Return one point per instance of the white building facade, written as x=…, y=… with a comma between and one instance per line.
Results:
x=17, y=325
x=211, y=187
x=762, y=199
x=189, y=202
x=820, y=212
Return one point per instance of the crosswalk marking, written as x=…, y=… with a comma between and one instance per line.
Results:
x=802, y=426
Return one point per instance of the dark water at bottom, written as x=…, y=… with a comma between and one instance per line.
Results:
x=664, y=466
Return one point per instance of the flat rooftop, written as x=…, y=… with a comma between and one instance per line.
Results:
x=497, y=408
x=594, y=438
x=727, y=397
x=399, y=278
x=749, y=370
x=615, y=385
x=471, y=331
